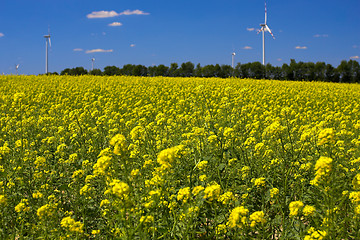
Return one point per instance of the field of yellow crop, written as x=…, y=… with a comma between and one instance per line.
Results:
x=178, y=158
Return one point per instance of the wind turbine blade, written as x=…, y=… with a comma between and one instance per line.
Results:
x=260, y=30
x=268, y=29
x=265, y=13
x=49, y=41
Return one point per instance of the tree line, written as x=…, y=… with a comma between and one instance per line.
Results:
x=347, y=71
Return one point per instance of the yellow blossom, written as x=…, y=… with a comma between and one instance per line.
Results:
x=196, y=190
x=257, y=217
x=295, y=207
x=202, y=165
x=72, y=225
x=202, y=178
x=308, y=211
x=2, y=200
x=326, y=136
x=212, y=192
x=119, y=189
x=183, y=194
x=322, y=169
x=226, y=198
x=237, y=217
x=22, y=206
x=44, y=211
x=274, y=192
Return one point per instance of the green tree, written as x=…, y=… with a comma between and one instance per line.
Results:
x=96, y=72
x=187, y=69
x=112, y=70
x=174, y=70
x=140, y=70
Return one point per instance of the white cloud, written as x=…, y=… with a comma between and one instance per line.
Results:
x=250, y=29
x=102, y=14
x=98, y=51
x=132, y=45
x=134, y=12
x=301, y=47
x=115, y=24
x=78, y=49
x=247, y=48
x=109, y=14
x=354, y=57
x=355, y=46
x=279, y=59
x=1, y=34
x=321, y=35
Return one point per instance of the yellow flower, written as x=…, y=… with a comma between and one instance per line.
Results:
x=40, y=161
x=101, y=165
x=308, y=211
x=212, y=192
x=147, y=163
x=119, y=143
x=202, y=178
x=147, y=219
x=78, y=173
x=237, y=217
x=196, y=190
x=354, y=197
x=44, y=211
x=322, y=168
x=228, y=132
x=357, y=210
x=274, y=192
x=134, y=172
x=295, y=207
x=5, y=149
x=202, y=165
x=257, y=217
x=2, y=200
x=119, y=189
x=220, y=229
x=72, y=225
x=94, y=232
x=226, y=198
x=356, y=182
x=259, y=182
x=22, y=206
x=167, y=157
x=85, y=189
x=326, y=136
x=104, y=202
x=315, y=234
x=117, y=139
x=183, y=194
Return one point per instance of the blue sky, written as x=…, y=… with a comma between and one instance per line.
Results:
x=117, y=32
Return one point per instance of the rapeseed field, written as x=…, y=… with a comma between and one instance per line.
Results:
x=178, y=158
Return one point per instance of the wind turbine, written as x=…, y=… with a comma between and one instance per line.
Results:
x=16, y=68
x=264, y=28
x=232, y=59
x=92, y=63
x=48, y=43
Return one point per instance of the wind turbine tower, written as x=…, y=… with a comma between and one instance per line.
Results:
x=48, y=43
x=264, y=28
x=232, y=59
x=92, y=63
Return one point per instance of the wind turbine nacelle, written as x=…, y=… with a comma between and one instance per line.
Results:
x=262, y=25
